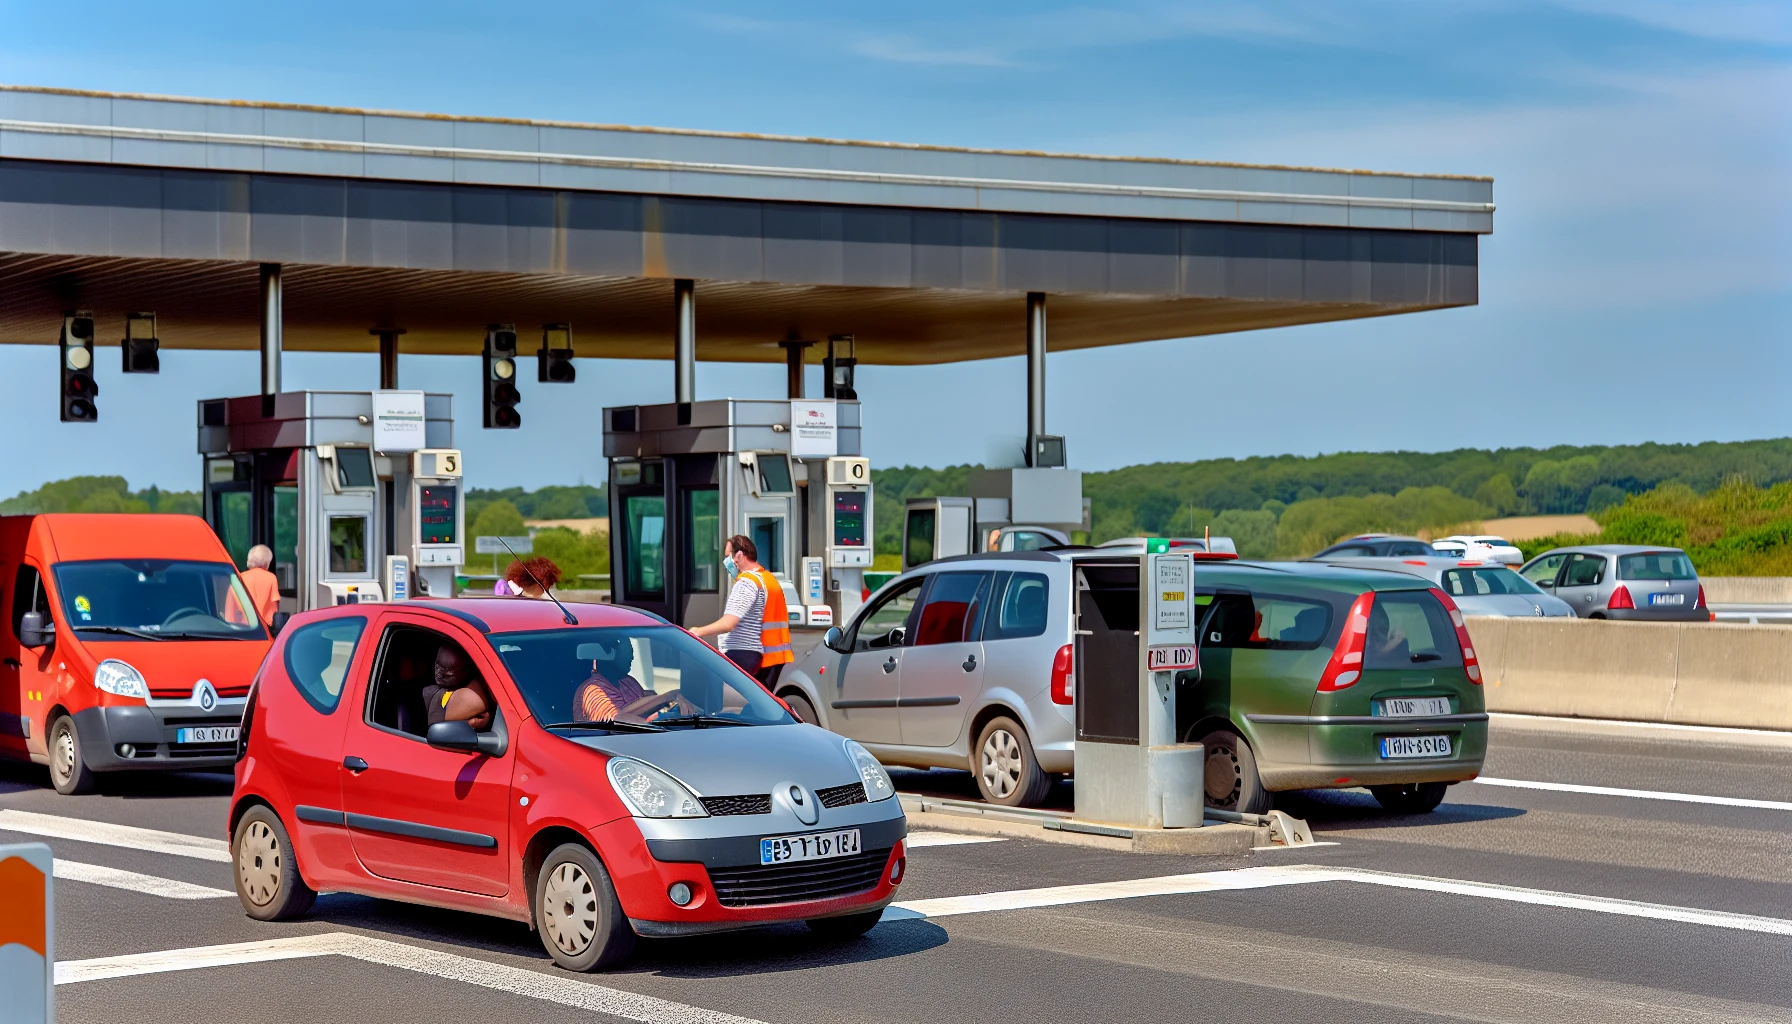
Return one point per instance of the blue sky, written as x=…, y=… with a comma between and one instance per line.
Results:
x=1638, y=286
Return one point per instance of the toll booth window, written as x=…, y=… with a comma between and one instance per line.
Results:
x=703, y=539
x=849, y=519
x=1022, y=605
x=348, y=544
x=919, y=544
x=767, y=534
x=435, y=513
x=644, y=548
x=317, y=659
x=286, y=538
x=230, y=518
x=354, y=467
x=774, y=474
x=954, y=608
x=1408, y=629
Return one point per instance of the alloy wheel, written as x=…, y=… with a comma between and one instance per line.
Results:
x=569, y=909
x=1001, y=763
x=258, y=863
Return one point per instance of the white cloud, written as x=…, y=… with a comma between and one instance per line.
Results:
x=1752, y=21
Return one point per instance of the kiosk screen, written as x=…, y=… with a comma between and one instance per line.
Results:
x=435, y=513
x=849, y=519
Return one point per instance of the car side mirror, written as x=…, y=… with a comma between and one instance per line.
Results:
x=834, y=640
x=278, y=623
x=1550, y=584
x=461, y=736
x=36, y=630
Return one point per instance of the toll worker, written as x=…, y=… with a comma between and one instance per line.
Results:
x=263, y=586
x=755, y=623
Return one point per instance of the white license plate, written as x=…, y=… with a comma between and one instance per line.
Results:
x=1667, y=598
x=206, y=734
x=1393, y=747
x=1414, y=707
x=820, y=846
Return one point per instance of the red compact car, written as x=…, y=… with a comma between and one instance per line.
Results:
x=601, y=779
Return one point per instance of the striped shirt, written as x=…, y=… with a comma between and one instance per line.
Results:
x=746, y=600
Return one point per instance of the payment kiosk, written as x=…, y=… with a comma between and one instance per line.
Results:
x=787, y=474
x=357, y=493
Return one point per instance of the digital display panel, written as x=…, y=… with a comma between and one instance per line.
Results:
x=435, y=513
x=849, y=519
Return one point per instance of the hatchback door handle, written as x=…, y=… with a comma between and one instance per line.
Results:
x=354, y=764
x=970, y=664
x=890, y=666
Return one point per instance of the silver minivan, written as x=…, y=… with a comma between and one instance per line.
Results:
x=1622, y=581
x=955, y=664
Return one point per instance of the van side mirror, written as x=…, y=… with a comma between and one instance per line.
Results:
x=278, y=623
x=834, y=640
x=462, y=737
x=36, y=630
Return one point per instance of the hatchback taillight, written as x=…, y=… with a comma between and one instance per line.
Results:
x=1346, y=664
x=1701, y=602
x=1620, y=598
x=1064, y=675
x=1470, y=664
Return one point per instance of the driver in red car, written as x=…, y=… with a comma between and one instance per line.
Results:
x=609, y=689
x=458, y=694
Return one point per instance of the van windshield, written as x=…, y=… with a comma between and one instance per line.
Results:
x=633, y=675
x=157, y=599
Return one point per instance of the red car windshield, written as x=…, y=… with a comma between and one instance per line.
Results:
x=657, y=675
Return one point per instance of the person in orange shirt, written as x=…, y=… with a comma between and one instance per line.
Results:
x=755, y=623
x=263, y=586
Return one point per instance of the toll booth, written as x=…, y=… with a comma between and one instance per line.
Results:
x=788, y=474
x=358, y=493
x=1022, y=509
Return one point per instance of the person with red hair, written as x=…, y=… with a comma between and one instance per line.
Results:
x=528, y=577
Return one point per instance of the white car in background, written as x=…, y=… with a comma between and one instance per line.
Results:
x=1482, y=547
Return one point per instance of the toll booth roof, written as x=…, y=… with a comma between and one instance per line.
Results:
x=440, y=225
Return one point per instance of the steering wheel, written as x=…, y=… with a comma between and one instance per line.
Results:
x=653, y=704
x=181, y=613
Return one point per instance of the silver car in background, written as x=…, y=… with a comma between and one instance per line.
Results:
x=1622, y=581
x=1477, y=587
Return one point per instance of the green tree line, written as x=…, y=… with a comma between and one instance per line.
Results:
x=99, y=494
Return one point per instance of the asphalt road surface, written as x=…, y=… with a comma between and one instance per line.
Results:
x=1596, y=874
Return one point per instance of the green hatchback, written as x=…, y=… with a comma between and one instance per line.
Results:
x=1319, y=677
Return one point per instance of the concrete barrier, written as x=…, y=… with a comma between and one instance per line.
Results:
x=1682, y=672
x=1748, y=589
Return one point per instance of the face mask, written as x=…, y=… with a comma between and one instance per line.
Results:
x=729, y=567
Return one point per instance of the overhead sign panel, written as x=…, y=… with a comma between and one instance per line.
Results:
x=814, y=429
x=398, y=423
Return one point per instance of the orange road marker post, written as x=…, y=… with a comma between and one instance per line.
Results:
x=27, y=934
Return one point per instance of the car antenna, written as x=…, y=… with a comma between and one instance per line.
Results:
x=567, y=615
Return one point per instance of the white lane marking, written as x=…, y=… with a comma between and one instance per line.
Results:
x=564, y=989
x=1638, y=794
x=917, y=840
x=105, y=833
x=1517, y=719
x=1302, y=874
x=99, y=874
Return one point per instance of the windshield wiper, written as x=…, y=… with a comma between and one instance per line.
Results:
x=204, y=636
x=611, y=725
x=699, y=721
x=125, y=631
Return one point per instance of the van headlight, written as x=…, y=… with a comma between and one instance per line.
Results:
x=877, y=781
x=651, y=793
x=114, y=676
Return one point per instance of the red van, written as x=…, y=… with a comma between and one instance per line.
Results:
x=130, y=644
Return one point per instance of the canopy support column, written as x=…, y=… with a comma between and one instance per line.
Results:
x=793, y=366
x=684, y=347
x=1035, y=374
x=270, y=335
x=388, y=355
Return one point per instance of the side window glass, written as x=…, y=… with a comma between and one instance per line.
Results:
x=1266, y=621
x=954, y=606
x=1021, y=609
x=1584, y=570
x=317, y=659
x=885, y=624
x=405, y=677
x=1544, y=570
x=28, y=595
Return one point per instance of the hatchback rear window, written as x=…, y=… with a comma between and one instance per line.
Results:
x=1656, y=565
x=1410, y=629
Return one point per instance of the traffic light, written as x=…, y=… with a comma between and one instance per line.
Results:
x=501, y=395
x=553, y=364
x=140, y=345
x=78, y=388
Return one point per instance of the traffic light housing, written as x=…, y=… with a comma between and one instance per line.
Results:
x=141, y=347
x=553, y=363
x=78, y=388
x=501, y=395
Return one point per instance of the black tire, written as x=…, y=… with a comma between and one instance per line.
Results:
x=1232, y=780
x=580, y=920
x=1007, y=771
x=1411, y=797
x=68, y=769
x=846, y=926
x=267, y=873
x=801, y=708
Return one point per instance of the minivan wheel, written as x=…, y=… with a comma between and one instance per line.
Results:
x=1411, y=797
x=1007, y=770
x=576, y=910
x=1232, y=780
x=267, y=876
x=68, y=769
x=801, y=708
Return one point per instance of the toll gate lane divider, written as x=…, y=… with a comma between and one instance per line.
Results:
x=1638, y=794
x=565, y=990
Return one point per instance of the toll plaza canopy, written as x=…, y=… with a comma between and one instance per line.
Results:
x=440, y=225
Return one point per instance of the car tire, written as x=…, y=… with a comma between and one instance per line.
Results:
x=580, y=919
x=1411, y=797
x=267, y=873
x=1231, y=777
x=1007, y=770
x=801, y=708
x=846, y=926
x=68, y=768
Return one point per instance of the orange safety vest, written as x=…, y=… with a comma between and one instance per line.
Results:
x=774, y=634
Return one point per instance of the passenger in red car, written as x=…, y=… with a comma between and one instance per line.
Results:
x=458, y=694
